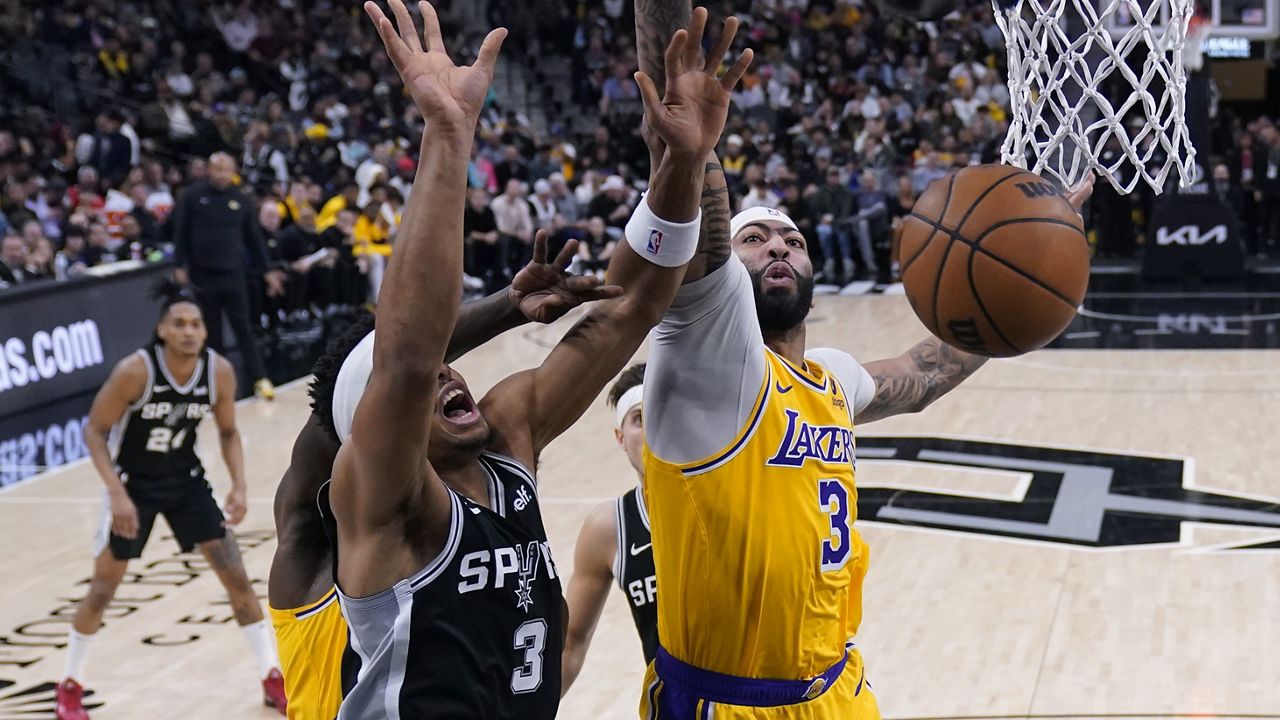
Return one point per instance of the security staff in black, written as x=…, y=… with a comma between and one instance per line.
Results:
x=218, y=246
x=141, y=436
x=475, y=632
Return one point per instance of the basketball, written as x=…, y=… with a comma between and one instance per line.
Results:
x=994, y=260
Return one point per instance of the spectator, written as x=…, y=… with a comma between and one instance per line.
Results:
x=218, y=244
x=611, y=203
x=515, y=225
x=345, y=199
x=13, y=261
x=870, y=225
x=107, y=149
x=310, y=266
x=759, y=196
x=566, y=201
x=480, y=228
x=71, y=261
x=371, y=244
x=832, y=204
x=544, y=205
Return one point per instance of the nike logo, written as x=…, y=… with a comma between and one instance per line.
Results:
x=636, y=550
x=160, y=388
x=781, y=390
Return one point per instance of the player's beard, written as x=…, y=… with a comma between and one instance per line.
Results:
x=778, y=309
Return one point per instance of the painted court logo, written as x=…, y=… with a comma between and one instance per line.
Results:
x=1073, y=497
x=655, y=242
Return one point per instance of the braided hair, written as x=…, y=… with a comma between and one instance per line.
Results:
x=325, y=372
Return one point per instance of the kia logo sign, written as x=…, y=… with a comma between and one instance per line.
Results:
x=1191, y=235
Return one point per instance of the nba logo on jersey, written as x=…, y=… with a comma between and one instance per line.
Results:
x=655, y=241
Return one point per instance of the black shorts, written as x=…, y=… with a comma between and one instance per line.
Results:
x=187, y=504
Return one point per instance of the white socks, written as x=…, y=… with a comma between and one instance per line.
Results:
x=77, y=654
x=263, y=646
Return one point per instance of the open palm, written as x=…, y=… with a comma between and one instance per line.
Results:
x=443, y=92
x=691, y=114
x=544, y=291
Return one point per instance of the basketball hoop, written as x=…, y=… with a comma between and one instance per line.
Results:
x=1064, y=55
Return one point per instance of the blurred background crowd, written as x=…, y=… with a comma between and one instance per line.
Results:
x=266, y=147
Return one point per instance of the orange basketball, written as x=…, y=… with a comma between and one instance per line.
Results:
x=994, y=260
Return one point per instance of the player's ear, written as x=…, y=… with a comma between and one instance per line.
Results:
x=617, y=435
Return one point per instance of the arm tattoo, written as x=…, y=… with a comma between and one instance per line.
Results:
x=713, y=243
x=656, y=22
x=935, y=368
x=480, y=321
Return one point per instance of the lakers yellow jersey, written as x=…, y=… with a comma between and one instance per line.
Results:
x=758, y=562
x=311, y=640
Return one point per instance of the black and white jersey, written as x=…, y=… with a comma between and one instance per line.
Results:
x=478, y=632
x=633, y=567
x=157, y=436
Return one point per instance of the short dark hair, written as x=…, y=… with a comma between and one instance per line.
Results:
x=326, y=370
x=631, y=377
x=169, y=293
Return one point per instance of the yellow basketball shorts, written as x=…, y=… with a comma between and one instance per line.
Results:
x=311, y=640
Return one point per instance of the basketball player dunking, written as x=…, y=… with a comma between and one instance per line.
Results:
x=310, y=632
x=150, y=407
x=443, y=570
x=749, y=476
x=614, y=544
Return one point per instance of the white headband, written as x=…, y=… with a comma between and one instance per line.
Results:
x=349, y=387
x=629, y=400
x=758, y=214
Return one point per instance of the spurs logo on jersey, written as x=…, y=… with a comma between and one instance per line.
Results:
x=478, y=632
x=484, y=568
x=157, y=437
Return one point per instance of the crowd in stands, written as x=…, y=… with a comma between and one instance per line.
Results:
x=112, y=109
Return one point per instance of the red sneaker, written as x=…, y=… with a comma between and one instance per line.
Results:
x=70, y=698
x=272, y=692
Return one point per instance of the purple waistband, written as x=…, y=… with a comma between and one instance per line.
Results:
x=734, y=690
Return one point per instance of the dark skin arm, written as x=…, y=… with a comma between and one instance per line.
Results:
x=656, y=22
x=391, y=507
x=301, y=571
x=530, y=409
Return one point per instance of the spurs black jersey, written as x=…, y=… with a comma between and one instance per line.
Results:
x=157, y=436
x=476, y=634
x=633, y=567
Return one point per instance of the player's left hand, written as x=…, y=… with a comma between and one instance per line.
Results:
x=544, y=291
x=235, y=507
x=1080, y=193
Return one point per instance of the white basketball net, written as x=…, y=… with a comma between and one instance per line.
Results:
x=1063, y=121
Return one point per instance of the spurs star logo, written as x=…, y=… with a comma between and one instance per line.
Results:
x=529, y=555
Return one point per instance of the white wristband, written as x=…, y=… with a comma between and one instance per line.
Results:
x=663, y=243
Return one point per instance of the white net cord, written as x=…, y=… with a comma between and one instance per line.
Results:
x=1062, y=122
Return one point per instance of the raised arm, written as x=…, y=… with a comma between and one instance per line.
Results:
x=588, y=587
x=531, y=409
x=656, y=23
x=381, y=469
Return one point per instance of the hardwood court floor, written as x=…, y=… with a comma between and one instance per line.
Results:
x=1004, y=607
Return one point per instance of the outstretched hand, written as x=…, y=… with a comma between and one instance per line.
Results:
x=444, y=93
x=691, y=114
x=544, y=291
